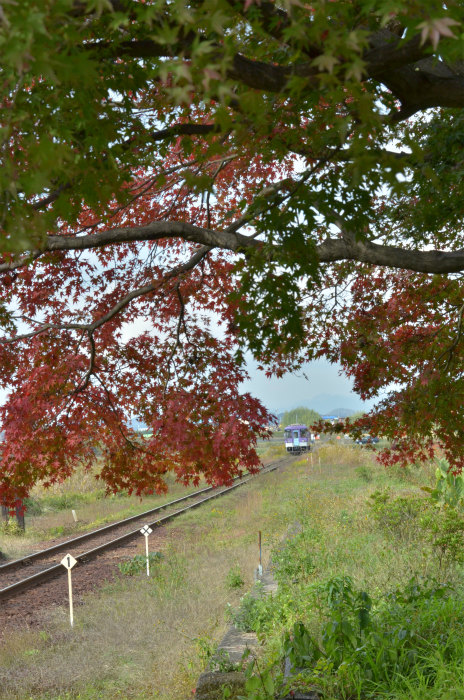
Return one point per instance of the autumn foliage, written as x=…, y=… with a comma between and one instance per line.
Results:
x=183, y=183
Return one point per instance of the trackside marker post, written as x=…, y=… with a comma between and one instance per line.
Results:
x=260, y=566
x=68, y=562
x=146, y=531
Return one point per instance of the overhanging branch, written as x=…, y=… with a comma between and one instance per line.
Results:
x=428, y=261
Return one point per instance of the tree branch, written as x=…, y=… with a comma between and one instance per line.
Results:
x=428, y=261
x=151, y=232
x=417, y=79
x=85, y=382
x=189, y=129
x=90, y=328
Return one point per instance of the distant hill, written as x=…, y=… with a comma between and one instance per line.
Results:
x=323, y=404
x=342, y=412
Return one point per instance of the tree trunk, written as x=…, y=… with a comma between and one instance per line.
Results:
x=20, y=515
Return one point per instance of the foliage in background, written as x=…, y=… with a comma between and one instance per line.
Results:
x=301, y=414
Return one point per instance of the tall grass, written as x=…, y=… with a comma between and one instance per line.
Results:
x=367, y=607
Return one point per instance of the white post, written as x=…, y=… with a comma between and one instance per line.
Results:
x=145, y=532
x=68, y=562
x=146, y=551
x=71, y=613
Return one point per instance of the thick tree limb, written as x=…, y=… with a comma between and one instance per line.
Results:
x=416, y=79
x=151, y=232
x=331, y=250
x=428, y=261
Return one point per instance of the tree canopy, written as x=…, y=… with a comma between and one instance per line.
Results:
x=183, y=181
x=301, y=414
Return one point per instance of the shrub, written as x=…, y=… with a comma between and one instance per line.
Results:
x=398, y=517
x=449, y=487
x=368, y=647
x=444, y=529
x=294, y=561
x=251, y=613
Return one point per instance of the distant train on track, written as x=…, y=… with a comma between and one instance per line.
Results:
x=297, y=438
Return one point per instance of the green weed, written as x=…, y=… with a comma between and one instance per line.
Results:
x=365, y=473
x=138, y=563
x=398, y=517
x=235, y=577
x=11, y=528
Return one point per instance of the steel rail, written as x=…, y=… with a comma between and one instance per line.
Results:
x=24, y=561
x=58, y=569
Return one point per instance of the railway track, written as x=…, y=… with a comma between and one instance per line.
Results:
x=44, y=565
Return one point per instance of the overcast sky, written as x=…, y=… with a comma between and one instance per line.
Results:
x=324, y=384
x=324, y=380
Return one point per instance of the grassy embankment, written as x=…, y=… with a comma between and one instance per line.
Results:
x=371, y=596
x=49, y=511
x=140, y=639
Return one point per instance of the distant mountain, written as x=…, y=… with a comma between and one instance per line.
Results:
x=341, y=412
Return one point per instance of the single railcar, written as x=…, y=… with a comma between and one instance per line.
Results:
x=297, y=438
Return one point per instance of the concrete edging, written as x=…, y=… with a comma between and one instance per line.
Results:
x=233, y=645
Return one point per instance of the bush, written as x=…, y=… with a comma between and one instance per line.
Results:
x=449, y=487
x=444, y=529
x=398, y=517
x=294, y=561
x=366, y=647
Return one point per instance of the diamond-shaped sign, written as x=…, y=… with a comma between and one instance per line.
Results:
x=68, y=561
x=146, y=530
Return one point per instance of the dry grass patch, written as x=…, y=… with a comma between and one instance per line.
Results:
x=140, y=638
x=92, y=507
x=348, y=456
